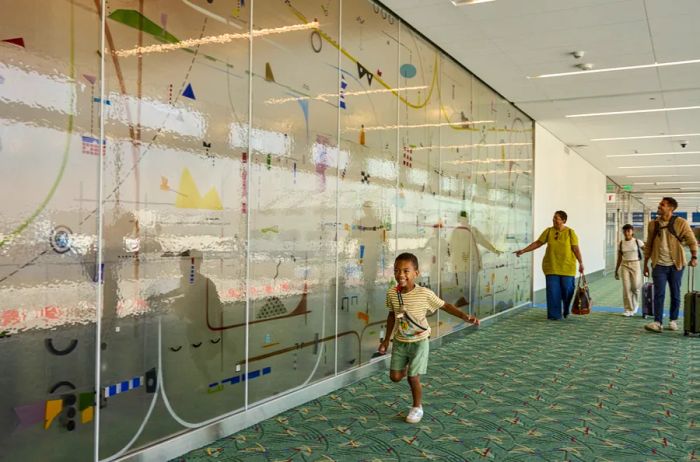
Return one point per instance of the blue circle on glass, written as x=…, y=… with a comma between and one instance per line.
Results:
x=408, y=71
x=61, y=239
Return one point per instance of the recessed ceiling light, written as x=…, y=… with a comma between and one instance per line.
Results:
x=655, y=154
x=639, y=111
x=469, y=2
x=646, y=137
x=615, y=69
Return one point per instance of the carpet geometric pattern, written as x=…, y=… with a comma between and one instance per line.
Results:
x=589, y=388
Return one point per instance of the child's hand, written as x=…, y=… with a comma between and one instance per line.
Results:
x=382, y=347
x=471, y=319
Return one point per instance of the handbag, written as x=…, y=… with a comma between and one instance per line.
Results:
x=582, y=299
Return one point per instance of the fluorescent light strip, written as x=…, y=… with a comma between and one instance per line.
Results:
x=469, y=2
x=654, y=176
x=640, y=111
x=445, y=124
x=487, y=161
x=615, y=69
x=664, y=166
x=214, y=39
x=671, y=182
x=675, y=193
x=654, y=201
x=646, y=137
x=465, y=146
x=502, y=172
x=655, y=154
x=325, y=96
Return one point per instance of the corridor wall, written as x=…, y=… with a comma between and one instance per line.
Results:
x=565, y=181
x=203, y=204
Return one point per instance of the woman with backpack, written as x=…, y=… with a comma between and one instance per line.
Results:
x=629, y=269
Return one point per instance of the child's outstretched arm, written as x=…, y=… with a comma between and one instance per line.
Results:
x=384, y=343
x=454, y=311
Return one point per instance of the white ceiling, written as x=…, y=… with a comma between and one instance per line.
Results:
x=504, y=41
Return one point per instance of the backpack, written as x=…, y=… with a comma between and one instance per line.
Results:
x=639, y=250
x=670, y=229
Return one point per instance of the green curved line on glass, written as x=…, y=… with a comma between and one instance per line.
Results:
x=17, y=231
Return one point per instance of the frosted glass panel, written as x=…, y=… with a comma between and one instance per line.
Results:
x=48, y=229
x=367, y=186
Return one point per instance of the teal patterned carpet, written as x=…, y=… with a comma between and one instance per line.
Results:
x=592, y=388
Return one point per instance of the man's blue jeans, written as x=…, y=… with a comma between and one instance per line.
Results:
x=560, y=291
x=661, y=275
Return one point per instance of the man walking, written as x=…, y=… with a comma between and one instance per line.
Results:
x=664, y=246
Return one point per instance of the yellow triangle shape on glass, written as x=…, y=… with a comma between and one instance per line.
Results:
x=211, y=200
x=189, y=197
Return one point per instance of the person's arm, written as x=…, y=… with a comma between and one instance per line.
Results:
x=619, y=262
x=454, y=311
x=529, y=248
x=484, y=242
x=648, y=247
x=688, y=237
x=384, y=343
x=577, y=252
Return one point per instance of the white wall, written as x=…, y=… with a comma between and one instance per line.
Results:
x=568, y=182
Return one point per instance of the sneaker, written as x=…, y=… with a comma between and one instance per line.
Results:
x=654, y=327
x=673, y=325
x=414, y=415
x=636, y=310
x=628, y=314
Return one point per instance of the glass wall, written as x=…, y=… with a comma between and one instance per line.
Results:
x=202, y=209
x=621, y=208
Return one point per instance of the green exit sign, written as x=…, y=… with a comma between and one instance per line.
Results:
x=611, y=187
x=627, y=187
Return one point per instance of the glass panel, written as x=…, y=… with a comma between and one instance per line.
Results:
x=293, y=197
x=501, y=204
x=367, y=191
x=460, y=249
x=174, y=219
x=418, y=213
x=613, y=226
x=516, y=180
x=48, y=78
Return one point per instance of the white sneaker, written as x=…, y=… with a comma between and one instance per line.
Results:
x=627, y=314
x=673, y=325
x=654, y=327
x=636, y=310
x=414, y=415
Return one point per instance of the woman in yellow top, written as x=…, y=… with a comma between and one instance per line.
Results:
x=559, y=264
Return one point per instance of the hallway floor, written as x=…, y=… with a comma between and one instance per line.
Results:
x=591, y=388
